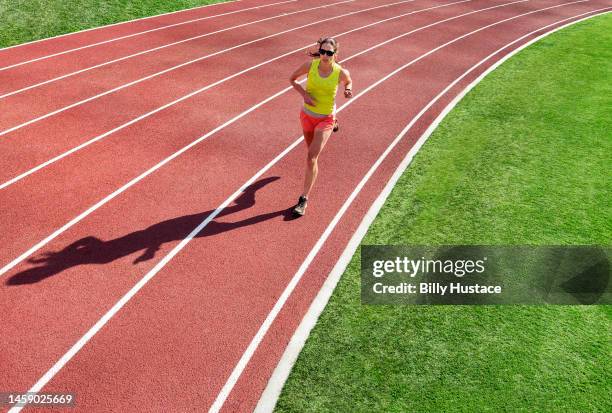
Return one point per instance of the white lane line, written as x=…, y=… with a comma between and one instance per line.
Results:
x=102, y=136
x=134, y=181
x=143, y=52
x=199, y=59
x=277, y=380
x=255, y=342
x=138, y=34
x=115, y=24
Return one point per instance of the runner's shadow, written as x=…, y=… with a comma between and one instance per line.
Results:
x=91, y=250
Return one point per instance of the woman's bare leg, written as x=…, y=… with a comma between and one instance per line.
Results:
x=314, y=149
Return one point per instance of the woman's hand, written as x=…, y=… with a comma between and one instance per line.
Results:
x=348, y=93
x=309, y=100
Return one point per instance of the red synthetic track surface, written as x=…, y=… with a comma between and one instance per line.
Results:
x=177, y=340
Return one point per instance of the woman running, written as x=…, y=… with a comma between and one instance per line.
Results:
x=318, y=115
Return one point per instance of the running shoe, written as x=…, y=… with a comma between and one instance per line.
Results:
x=300, y=208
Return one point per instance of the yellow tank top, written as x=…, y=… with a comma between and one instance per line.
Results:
x=322, y=89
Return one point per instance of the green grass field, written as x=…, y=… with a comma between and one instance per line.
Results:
x=525, y=158
x=26, y=20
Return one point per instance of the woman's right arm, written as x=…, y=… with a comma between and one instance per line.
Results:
x=302, y=70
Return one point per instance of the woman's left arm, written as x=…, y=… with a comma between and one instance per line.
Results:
x=345, y=77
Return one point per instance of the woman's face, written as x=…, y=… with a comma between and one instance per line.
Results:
x=324, y=56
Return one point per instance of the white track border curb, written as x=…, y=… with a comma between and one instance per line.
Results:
x=270, y=396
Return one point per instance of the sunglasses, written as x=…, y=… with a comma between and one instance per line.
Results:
x=327, y=52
